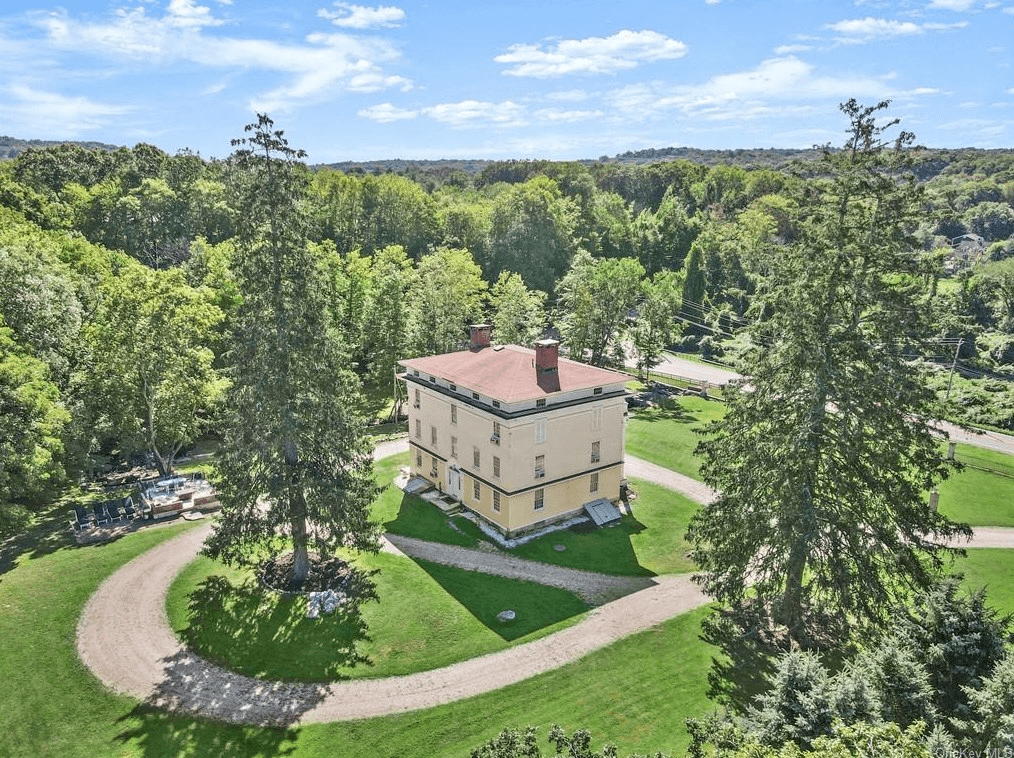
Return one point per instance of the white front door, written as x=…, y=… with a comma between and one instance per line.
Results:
x=454, y=482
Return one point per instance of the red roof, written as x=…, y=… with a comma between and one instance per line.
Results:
x=508, y=373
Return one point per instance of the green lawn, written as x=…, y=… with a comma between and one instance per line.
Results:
x=428, y=616
x=977, y=497
x=635, y=693
x=411, y=516
x=646, y=543
x=991, y=568
x=667, y=437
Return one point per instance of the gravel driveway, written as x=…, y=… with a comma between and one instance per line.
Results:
x=124, y=635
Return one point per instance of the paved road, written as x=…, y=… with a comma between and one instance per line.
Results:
x=717, y=375
x=694, y=370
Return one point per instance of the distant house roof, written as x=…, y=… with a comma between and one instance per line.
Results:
x=507, y=372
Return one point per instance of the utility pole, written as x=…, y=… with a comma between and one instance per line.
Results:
x=950, y=379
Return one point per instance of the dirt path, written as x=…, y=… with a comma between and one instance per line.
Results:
x=125, y=639
x=124, y=635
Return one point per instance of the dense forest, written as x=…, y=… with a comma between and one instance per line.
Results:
x=118, y=292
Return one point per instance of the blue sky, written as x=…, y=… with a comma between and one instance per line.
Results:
x=556, y=79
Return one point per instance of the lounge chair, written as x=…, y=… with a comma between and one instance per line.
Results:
x=79, y=518
x=128, y=508
x=113, y=511
x=99, y=509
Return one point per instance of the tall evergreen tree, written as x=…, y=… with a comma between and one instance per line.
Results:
x=823, y=466
x=295, y=459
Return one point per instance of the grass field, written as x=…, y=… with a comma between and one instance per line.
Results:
x=991, y=568
x=648, y=542
x=668, y=437
x=428, y=616
x=977, y=497
x=635, y=693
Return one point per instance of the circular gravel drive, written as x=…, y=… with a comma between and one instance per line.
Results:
x=124, y=637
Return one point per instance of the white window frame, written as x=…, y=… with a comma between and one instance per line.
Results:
x=540, y=431
x=540, y=466
x=540, y=499
x=593, y=485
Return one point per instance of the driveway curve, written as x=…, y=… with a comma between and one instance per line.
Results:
x=125, y=638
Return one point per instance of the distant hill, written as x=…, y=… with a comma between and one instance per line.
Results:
x=751, y=158
x=11, y=146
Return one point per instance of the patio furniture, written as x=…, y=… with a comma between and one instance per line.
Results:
x=113, y=511
x=79, y=518
x=128, y=508
x=101, y=518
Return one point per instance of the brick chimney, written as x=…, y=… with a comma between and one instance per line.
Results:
x=547, y=365
x=478, y=336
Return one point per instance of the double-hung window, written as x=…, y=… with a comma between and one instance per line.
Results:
x=540, y=466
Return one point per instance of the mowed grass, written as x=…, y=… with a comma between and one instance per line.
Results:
x=427, y=616
x=635, y=692
x=667, y=437
x=411, y=516
x=977, y=497
x=646, y=543
x=991, y=568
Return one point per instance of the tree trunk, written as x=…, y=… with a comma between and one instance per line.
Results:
x=792, y=599
x=300, y=540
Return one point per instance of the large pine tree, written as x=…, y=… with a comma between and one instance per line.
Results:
x=825, y=460
x=295, y=460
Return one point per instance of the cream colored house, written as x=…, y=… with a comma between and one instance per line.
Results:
x=521, y=437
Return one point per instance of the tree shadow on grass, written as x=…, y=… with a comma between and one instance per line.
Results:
x=264, y=634
x=747, y=659
x=423, y=520
x=153, y=732
x=673, y=412
x=588, y=547
x=484, y=596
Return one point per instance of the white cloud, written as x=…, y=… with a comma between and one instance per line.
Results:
x=953, y=5
x=592, y=55
x=859, y=31
x=557, y=116
x=318, y=68
x=361, y=17
x=469, y=113
x=1010, y=91
x=187, y=14
x=762, y=91
x=790, y=49
x=50, y=114
x=569, y=95
x=386, y=113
